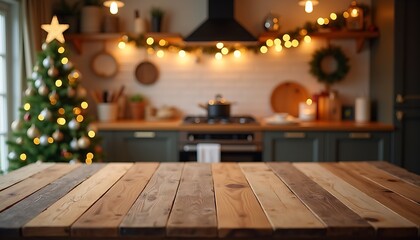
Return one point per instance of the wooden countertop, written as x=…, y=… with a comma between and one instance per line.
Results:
x=177, y=125
x=363, y=200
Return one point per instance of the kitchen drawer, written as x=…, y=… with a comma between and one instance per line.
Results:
x=293, y=146
x=140, y=146
x=358, y=146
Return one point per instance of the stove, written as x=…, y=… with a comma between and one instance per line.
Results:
x=242, y=119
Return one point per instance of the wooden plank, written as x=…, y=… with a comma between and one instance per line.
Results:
x=104, y=217
x=398, y=172
x=340, y=220
x=19, y=191
x=286, y=213
x=385, y=180
x=56, y=220
x=239, y=213
x=386, y=222
x=12, y=219
x=149, y=214
x=395, y=202
x=194, y=210
x=22, y=173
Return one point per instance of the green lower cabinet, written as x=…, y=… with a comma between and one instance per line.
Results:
x=293, y=146
x=140, y=146
x=358, y=146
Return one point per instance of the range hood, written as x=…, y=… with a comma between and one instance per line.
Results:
x=220, y=25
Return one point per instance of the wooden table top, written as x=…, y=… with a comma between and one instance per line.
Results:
x=367, y=200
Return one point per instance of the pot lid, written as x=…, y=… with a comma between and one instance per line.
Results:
x=219, y=100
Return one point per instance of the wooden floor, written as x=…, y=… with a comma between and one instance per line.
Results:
x=362, y=200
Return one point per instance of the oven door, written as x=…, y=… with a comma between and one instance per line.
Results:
x=228, y=152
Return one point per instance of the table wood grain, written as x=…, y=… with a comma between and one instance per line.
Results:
x=346, y=200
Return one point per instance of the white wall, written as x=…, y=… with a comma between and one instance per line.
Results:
x=248, y=81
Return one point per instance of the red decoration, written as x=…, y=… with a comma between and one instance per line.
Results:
x=27, y=117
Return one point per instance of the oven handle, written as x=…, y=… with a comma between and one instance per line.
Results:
x=225, y=148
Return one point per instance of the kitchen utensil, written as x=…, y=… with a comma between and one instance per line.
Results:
x=286, y=97
x=217, y=108
x=146, y=73
x=104, y=65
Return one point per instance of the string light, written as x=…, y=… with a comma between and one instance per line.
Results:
x=220, y=45
x=326, y=21
x=121, y=44
x=160, y=53
x=61, y=121
x=295, y=43
x=307, y=39
x=277, y=41
x=269, y=42
x=333, y=16
x=150, y=51
x=162, y=42
x=88, y=161
x=58, y=83
x=61, y=111
x=218, y=56
x=263, y=49
x=346, y=14
x=61, y=50
x=320, y=21
x=91, y=134
x=84, y=105
x=278, y=48
x=150, y=40
x=79, y=118
x=224, y=51
x=288, y=44
x=286, y=37
x=22, y=157
x=37, y=141
x=77, y=110
x=50, y=140
x=64, y=60
x=182, y=53
x=89, y=155
x=237, y=53
x=41, y=117
x=27, y=106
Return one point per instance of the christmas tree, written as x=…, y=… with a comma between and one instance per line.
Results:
x=53, y=125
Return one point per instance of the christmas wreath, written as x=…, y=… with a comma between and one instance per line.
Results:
x=329, y=77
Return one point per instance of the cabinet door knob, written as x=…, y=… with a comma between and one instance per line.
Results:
x=144, y=134
x=399, y=98
x=399, y=115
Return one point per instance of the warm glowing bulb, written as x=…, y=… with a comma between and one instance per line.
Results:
x=88, y=161
x=162, y=42
x=286, y=37
x=84, y=105
x=345, y=14
x=326, y=21
x=182, y=53
x=64, y=60
x=58, y=83
x=277, y=41
x=61, y=121
x=89, y=155
x=320, y=21
x=160, y=53
x=288, y=44
x=41, y=117
x=309, y=101
x=50, y=140
x=237, y=53
x=113, y=8
x=60, y=50
x=37, y=141
x=224, y=51
x=269, y=42
x=278, y=48
x=263, y=49
x=79, y=118
x=307, y=39
x=22, y=157
x=150, y=51
x=295, y=43
x=27, y=106
x=309, y=7
x=91, y=134
x=61, y=111
x=220, y=45
x=303, y=32
x=333, y=16
x=218, y=56
x=121, y=45
x=77, y=110
x=354, y=13
x=150, y=40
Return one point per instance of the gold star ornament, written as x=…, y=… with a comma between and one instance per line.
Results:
x=55, y=30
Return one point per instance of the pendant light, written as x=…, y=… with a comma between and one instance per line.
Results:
x=309, y=4
x=113, y=6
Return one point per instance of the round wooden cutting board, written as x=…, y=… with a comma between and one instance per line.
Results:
x=146, y=73
x=286, y=97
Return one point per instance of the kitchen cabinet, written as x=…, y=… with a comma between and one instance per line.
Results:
x=407, y=85
x=140, y=146
x=293, y=146
x=358, y=146
x=326, y=146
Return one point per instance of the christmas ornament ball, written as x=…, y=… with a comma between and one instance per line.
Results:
x=44, y=46
x=16, y=125
x=71, y=92
x=74, y=125
x=43, y=140
x=47, y=62
x=12, y=155
x=34, y=75
x=29, y=91
x=19, y=140
x=83, y=142
x=57, y=135
x=68, y=66
x=43, y=90
x=73, y=144
x=38, y=82
x=53, y=72
x=27, y=117
x=32, y=132
x=46, y=114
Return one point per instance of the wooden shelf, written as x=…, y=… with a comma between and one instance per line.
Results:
x=359, y=36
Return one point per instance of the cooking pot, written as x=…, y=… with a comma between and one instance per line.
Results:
x=217, y=108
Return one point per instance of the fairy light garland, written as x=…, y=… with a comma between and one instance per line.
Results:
x=290, y=39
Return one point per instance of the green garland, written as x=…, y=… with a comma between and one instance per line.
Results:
x=342, y=65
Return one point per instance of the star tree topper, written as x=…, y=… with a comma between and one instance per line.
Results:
x=55, y=30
